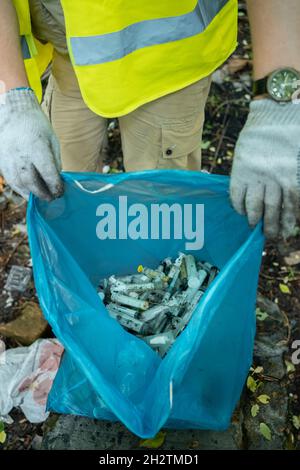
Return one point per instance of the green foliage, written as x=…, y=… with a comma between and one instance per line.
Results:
x=260, y=315
x=289, y=367
x=254, y=410
x=2, y=433
x=154, y=443
x=264, y=399
x=265, y=431
x=284, y=289
x=296, y=422
x=252, y=384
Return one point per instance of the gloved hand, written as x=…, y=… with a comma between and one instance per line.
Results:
x=265, y=178
x=29, y=149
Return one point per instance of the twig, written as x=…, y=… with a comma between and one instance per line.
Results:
x=16, y=208
x=289, y=329
x=277, y=278
x=2, y=219
x=268, y=378
x=225, y=126
x=226, y=103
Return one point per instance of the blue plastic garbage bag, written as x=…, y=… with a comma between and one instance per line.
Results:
x=108, y=373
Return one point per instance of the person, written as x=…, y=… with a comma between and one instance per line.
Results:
x=150, y=65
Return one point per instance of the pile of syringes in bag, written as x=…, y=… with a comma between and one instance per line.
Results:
x=157, y=304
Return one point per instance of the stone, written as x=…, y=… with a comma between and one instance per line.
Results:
x=269, y=349
x=273, y=414
x=27, y=327
x=274, y=321
x=271, y=339
x=75, y=432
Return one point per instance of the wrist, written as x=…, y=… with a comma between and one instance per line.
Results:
x=7, y=85
x=260, y=97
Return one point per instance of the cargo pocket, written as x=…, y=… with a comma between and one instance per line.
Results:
x=181, y=145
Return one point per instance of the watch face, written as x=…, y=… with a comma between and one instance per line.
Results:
x=283, y=83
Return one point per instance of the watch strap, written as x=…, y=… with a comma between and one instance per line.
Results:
x=260, y=86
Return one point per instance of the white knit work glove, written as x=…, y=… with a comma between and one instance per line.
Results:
x=29, y=149
x=265, y=178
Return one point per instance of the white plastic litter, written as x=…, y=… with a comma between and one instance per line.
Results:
x=26, y=377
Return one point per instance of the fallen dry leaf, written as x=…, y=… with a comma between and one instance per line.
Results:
x=2, y=184
x=293, y=258
x=236, y=64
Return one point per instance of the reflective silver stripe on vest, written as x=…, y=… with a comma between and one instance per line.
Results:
x=25, y=49
x=91, y=50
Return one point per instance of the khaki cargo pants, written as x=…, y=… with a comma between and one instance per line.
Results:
x=165, y=133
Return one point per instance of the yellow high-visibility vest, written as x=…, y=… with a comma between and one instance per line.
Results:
x=36, y=55
x=126, y=53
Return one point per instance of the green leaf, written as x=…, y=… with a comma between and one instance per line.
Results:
x=251, y=384
x=1, y=426
x=205, y=144
x=2, y=437
x=264, y=399
x=284, y=289
x=154, y=443
x=254, y=410
x=289, y=443
x=260, y=315
x=265, y=431
x=296, y=422
x=259, y=384
x=289, y=366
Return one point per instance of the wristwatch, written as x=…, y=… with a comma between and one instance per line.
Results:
x=280, y=85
